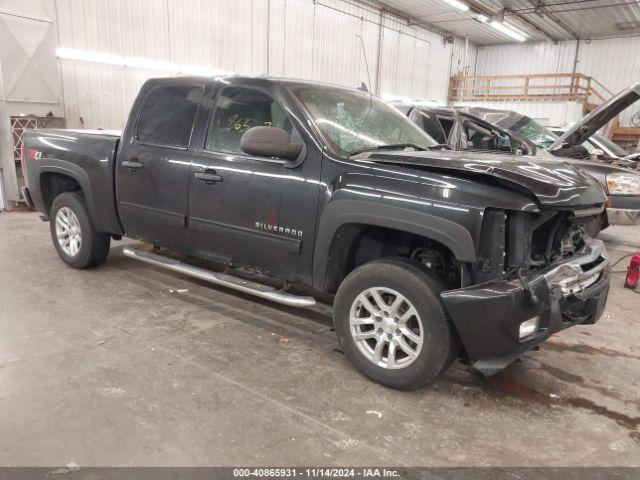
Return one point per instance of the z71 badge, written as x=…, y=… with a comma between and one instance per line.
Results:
x=294, y=232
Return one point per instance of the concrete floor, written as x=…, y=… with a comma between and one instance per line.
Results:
x=109, y=367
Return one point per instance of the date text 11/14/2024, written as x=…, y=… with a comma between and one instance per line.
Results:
x=315, y=473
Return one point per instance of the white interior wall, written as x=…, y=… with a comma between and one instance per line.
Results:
x=614, y=62
x=27, y=54
x=29, y=79
x=290, y=38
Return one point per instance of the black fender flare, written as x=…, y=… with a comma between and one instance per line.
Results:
x=75, y=172
x=349, y=211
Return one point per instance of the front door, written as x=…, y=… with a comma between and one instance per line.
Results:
x=252, y=211
x=153, y=167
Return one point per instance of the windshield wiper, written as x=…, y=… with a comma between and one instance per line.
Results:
x=442, y=146
x=390, y=146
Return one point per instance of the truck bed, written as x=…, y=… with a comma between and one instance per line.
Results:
x=88, y=157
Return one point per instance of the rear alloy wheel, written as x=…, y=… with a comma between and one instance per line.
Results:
x=77, y=242
x=68, y=231
x=392, y=325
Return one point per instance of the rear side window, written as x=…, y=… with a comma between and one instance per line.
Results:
x=167, y=115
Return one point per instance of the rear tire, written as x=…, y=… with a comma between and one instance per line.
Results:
x=78, y=244
x=394, y=301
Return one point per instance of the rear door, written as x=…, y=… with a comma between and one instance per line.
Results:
x=153, y=167
x=252, y=211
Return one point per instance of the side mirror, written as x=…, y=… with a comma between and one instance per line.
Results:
x=269, y=142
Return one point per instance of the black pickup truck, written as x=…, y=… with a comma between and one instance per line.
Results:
x=427, y=253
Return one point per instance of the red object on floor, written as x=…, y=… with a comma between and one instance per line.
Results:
x=633, y=272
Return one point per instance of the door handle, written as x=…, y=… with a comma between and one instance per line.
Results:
x=209, y=177
x=132, y=164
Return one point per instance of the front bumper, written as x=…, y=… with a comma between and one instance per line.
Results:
x=623, y=216
x=488, y=316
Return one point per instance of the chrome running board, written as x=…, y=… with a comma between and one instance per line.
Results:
x=229, y=281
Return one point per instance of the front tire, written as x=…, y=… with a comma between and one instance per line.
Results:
x=78, y=244
x=392, y=325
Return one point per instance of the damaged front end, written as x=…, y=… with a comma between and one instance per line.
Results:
x=536, y=275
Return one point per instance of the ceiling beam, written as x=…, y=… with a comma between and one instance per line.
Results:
x=537, y=28
x=541, y=9
x=411, y=20
x=478, y=8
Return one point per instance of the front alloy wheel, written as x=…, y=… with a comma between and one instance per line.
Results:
x=392, y=325
x=386, y=327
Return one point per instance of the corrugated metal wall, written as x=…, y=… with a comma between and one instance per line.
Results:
x=291, y=38
x=613, y=62
x=516, y=59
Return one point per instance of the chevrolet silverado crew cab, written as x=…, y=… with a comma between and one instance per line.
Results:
x=426, y=253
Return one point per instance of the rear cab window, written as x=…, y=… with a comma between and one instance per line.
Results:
x=167, y=115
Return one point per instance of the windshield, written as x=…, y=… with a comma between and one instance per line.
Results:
x=614, y=148
x=590, y=147
x=532, y=130
x=352, y=121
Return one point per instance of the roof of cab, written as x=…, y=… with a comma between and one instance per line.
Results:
x=209, y=80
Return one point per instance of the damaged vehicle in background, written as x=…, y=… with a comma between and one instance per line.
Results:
x=621, y=184
x=461, y=130
x=600, y=147
x=427, y=253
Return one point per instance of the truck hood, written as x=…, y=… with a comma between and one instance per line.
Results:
x=594, y=121
x=552, y=182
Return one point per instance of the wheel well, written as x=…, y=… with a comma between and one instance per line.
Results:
x=356, y=244
x=53, y=184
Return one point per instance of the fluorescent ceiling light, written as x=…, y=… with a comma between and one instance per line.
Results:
x=85, y=56
x=501, y=27
x=457, y=4
x=133, y=62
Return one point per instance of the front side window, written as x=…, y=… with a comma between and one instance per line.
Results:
x=353, y=121
x=447, y=124
x=479, y=138
x=428, y=122
x=167, y=115
x=236, y=110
